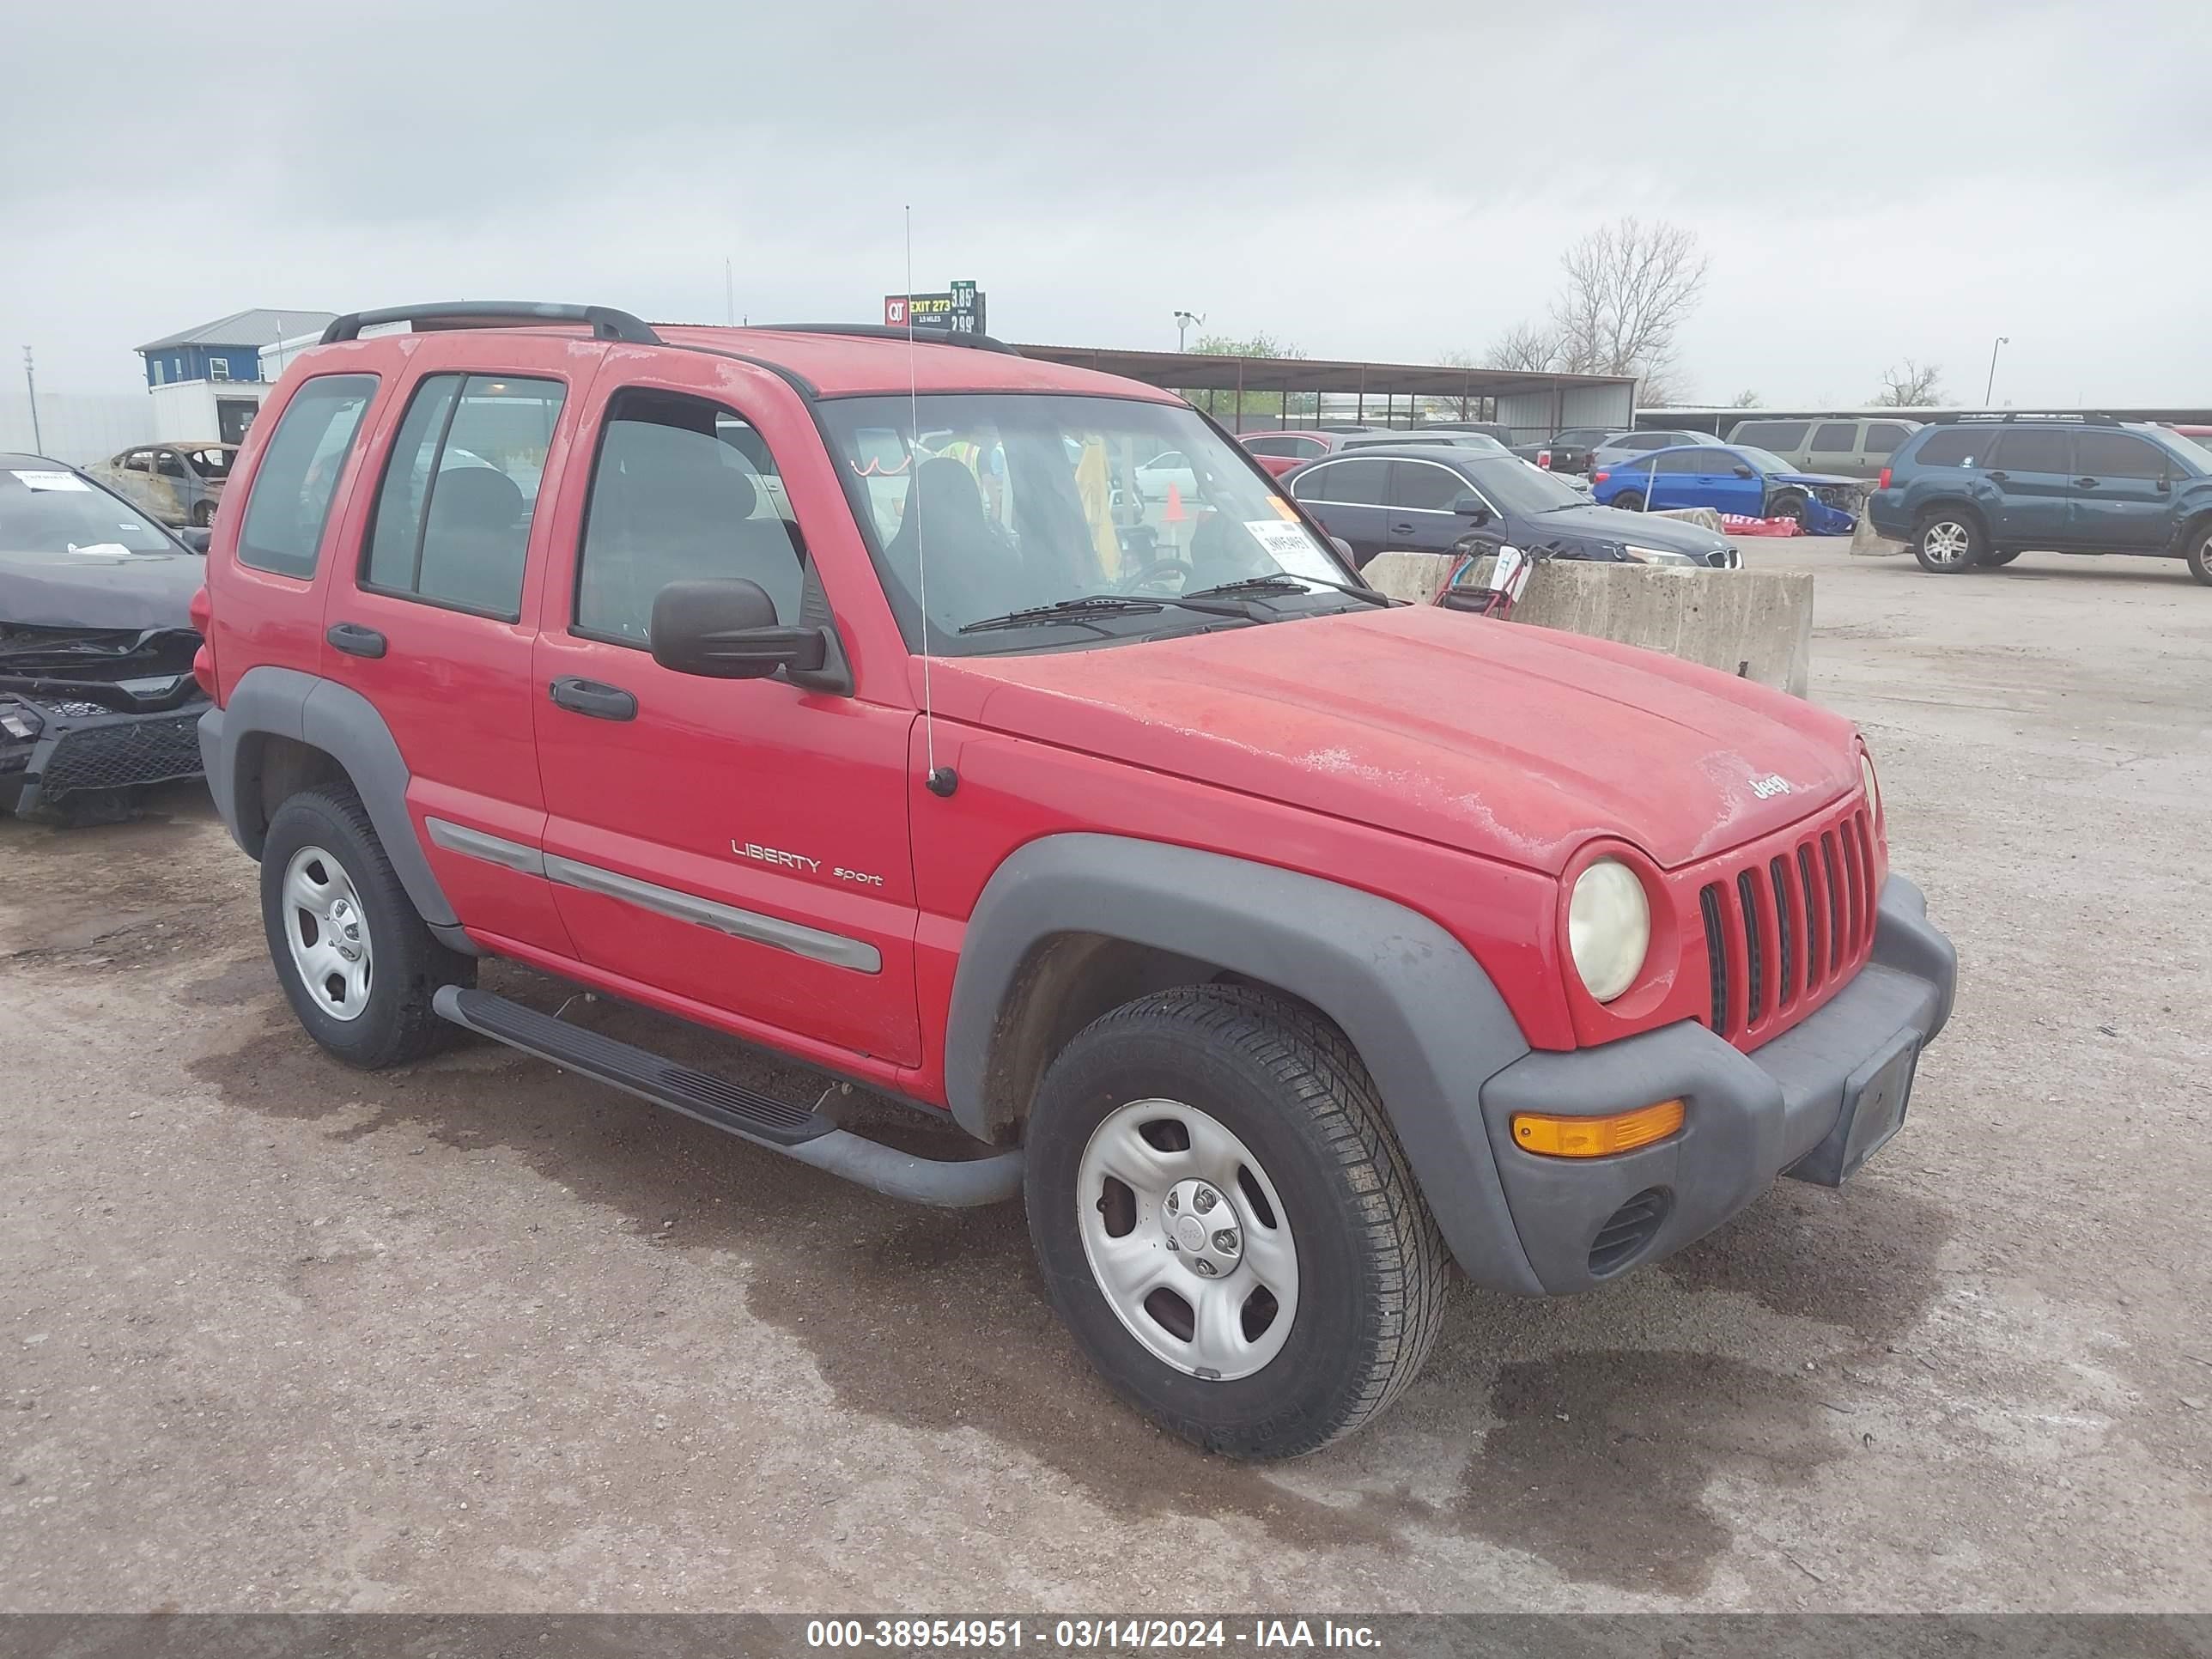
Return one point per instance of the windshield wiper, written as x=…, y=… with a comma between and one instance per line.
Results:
x=1283, y=582
x=1084, y=606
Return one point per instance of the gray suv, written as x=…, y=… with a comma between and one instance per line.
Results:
x=1851, y=447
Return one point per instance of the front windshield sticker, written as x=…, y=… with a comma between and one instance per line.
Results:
x=105, y=549
x=52, y=481
x=1289, y=546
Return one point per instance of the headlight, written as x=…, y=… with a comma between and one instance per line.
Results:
x=1866, y=777
x=1608, y=927
x=1656, y=555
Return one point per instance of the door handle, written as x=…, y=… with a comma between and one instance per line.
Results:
x=2085, y=483
x=356, y=641
x=2000, y=477
x=1401, y=529
x=601, y=702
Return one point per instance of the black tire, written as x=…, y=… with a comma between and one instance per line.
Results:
x=1372, y=1267
x=397, y=1023
x=1949, y=541
x=1990, y=561
x=203, y=515
x=1629, y=501
x=1790, y=506
x=2200, y=552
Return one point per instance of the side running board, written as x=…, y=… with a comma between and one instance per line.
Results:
x=796, y=1130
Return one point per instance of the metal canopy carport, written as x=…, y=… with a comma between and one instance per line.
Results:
x=1534, y=404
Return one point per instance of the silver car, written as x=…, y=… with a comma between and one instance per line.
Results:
x=177, y=483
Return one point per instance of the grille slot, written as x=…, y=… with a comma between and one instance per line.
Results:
x=1628, y=1230
x=1709, y=902
x=1814, y=936
x=1835, y=902
x=1754, y=952
x=1785, y=925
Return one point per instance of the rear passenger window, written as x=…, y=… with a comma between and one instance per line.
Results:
x=453, y=513
x=1425, y=487
x=1353, y=483
x=1957, y=445
x=2028, y=450
x=1836, y=437
x=299, y=474
x=681, y=491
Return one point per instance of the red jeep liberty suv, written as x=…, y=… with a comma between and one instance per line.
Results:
x=828, y=688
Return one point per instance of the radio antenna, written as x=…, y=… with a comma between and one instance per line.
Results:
x=940, y=780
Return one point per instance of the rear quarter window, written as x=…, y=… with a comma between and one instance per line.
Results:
x=1956, y=445
x=298, y=477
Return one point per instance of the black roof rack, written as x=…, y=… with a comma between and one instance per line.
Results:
x=607, y=322
x=922, y=335
x=2075, y=418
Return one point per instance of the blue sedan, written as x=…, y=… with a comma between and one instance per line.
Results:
x=1729, y=478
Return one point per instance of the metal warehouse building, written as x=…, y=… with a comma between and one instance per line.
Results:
x=1264, y=393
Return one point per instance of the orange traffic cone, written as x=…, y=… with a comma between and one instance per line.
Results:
x=1175, y=514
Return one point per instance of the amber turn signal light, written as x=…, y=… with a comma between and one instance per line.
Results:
x=1595, y=1137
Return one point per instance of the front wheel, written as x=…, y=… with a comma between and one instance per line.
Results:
x=1947, y=543
x=1226, y=1224
x=357, y=963
x=2200, y=554
x=203, y=515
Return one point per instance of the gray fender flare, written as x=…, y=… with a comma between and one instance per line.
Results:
x=338, y=720
x=1425, y=1017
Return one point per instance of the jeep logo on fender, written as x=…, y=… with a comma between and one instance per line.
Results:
x=1768, y=787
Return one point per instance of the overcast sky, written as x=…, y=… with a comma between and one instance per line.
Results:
x=1364, y=179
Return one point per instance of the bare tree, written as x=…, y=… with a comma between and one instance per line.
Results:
x=1911, y=384
x=1746, y=399
x=1528, y=347
x=1630, y=288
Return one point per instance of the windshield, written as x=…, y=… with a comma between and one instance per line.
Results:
x=2198, y=450
x=51, y=510
x=1509, y=482
x=1003, y=501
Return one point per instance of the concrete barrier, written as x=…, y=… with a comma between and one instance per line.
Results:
x=1704, y=517
x=1865, y=544
x=1754, y=624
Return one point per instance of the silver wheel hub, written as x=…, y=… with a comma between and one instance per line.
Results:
x=1188, y=1239
x=1947, y=543
x=327, y=932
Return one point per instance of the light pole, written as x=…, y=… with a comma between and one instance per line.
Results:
x=1185, y=321
x=31, y=389
x=1989, y=391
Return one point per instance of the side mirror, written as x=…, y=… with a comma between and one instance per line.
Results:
x=196, y=538
x=1472, y=508
x=1743, y=473
x=726, y=630
x=1344, y=550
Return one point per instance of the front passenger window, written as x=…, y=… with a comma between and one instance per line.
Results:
x=681, y=491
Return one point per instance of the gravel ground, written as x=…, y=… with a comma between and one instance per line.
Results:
x=476, y=1335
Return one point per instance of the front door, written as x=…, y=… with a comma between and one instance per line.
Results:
x=1718, y=480
x=2031, y=469
x=2123, y=493
x=740, y=845
x=1421, y=520
x=1351, y=498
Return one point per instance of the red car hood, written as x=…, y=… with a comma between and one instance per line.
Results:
x=1515, y=743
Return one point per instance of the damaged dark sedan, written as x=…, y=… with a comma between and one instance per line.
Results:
x=97, y=697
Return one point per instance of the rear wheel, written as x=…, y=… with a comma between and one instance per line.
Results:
x=357, y=963
x=1226, y=1223
x=1628, y=501
x=203, y=515
x=2200, y=553
x=1947, y=541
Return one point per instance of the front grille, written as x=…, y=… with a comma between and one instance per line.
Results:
x=1627, y=1230
x=1788, y=928
x=117, y=754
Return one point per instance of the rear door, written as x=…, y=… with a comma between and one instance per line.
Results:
x=1835, y=447
x=431, y=612
x=2031, y=469
x=2123, y=493
x=1350, y=497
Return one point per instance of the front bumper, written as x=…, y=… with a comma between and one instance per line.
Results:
x=78, y=748
x=1780, y=1109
